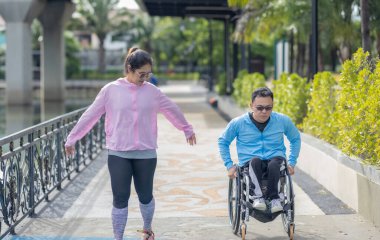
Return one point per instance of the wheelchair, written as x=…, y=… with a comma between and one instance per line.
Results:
x=240, y=205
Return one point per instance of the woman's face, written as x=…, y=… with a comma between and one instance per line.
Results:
x=138, y=76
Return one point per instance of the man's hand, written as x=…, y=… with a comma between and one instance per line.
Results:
x=232, y=172
x=70, y=150
x=192, y=140
x=290, y=170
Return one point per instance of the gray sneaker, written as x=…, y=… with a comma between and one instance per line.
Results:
x=275, y=205
x=259, y=204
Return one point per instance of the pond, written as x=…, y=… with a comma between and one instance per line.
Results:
x=17, y=118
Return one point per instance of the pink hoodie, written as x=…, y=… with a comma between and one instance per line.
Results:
x=131, y=116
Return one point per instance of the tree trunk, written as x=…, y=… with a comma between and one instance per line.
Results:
x=333, y=54
x=321, y=66
x=364, y=14
x=101, y=55
x=291, y=51
x=301, y=50
x=378, y=41
x=344, y=52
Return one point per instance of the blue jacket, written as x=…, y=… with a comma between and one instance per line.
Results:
x=250, y=142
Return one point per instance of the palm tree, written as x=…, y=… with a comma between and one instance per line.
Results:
x=100, y=17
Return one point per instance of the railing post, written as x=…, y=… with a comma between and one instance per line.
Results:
x=102, y=133
x=77, y=156
x=31, y=174
x=59, y=155
x=91, y=137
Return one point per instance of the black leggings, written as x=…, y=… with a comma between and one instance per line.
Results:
x=121, y=172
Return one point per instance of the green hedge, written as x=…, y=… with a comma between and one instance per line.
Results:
x=244, y=85
x=357, y=115
x=95, y=75
x=319, y=120
x=179, y=76
x=291, y=95
x=220, y=87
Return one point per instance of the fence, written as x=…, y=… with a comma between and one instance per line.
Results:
x=33, y=163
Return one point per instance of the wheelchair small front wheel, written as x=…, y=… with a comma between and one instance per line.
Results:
x=291, y=231
x=243, y=230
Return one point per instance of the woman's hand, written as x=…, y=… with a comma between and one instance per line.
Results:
x=70, y=150
x=290, y=170
x=192, y=140
x=232, y=172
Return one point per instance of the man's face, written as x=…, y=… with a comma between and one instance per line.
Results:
x=262, y=108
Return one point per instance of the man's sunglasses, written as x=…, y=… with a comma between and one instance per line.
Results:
x=261, y=108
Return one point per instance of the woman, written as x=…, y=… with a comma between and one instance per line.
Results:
x=131, y=105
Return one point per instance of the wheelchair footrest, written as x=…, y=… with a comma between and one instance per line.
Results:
x=264, y=216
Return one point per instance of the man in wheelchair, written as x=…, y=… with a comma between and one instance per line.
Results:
x=260, y=143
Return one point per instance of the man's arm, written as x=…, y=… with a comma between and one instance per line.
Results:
x=294, y=137
x=224, y=143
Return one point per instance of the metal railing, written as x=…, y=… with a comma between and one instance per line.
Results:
x=33, y=163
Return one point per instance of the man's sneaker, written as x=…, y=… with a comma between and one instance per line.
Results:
x=259, y=204
x=275, y=205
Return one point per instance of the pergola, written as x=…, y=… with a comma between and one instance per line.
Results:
x=209, y=9
x=217, y=9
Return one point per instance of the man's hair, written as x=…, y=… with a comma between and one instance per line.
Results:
x=262, y=92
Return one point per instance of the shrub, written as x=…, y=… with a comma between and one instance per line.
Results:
x=319, y=120
x=244, y=85
x=291, y=94
x=179, y=76
x=250, y=83
x=358, y=108
x=238, y=85
x=220, y=88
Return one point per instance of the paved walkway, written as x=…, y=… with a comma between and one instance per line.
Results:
x=190, y=191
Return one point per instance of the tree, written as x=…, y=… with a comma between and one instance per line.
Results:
x=99, y=17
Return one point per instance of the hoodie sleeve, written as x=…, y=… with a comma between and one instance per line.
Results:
x=172, y=112
x=294, y=137
x=88, y=119
x=224, y=143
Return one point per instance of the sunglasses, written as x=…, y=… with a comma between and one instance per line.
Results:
x=144, y=74
x=261, y=108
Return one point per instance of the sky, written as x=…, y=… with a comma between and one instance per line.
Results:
x=128, y=3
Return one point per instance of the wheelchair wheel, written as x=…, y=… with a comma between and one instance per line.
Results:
x=234, y=208
x=288, y=214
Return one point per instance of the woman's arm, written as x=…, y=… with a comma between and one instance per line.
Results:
x=172, y=112
x=88, y=119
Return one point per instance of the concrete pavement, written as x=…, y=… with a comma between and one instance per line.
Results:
x=190, y=191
